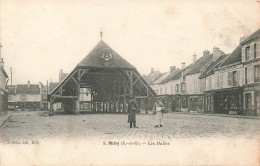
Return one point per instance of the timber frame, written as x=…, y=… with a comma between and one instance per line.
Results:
x=109, y=80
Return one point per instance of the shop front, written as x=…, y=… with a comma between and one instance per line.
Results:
x=251, y=100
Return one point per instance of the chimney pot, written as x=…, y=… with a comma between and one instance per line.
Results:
x=172, y=68
x=216, y=53
x=152, y=70
x=194, y=58
x=182, y=65
x=28, y=84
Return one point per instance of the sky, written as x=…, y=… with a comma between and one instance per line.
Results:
x=40, y=37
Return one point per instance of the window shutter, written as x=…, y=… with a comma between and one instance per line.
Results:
x=221, y=81
x=252, y=74
x=252, y=51
x=242, y=76
x=243, y=54
x=230, y=80
x=258, y=49
x=238, y=78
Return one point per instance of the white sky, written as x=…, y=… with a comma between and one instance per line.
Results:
x=40, y=37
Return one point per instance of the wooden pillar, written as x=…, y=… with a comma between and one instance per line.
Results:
x=51, y=107
x=78, y=93
x=131, y=83
x=125, y=91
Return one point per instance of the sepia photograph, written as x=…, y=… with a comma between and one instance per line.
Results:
x=113, y=82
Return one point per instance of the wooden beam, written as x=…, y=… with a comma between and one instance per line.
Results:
x=74, y=80
x=85, y=70
x=59, y=96
x=136, y=80
x=143, y=84
x=68, y=78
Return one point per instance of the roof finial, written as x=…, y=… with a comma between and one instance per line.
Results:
x=101, y=33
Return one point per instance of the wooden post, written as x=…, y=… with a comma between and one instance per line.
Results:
x=51, y=107
x=131, y=83
x=78, y=93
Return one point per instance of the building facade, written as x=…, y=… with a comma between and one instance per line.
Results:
x=251, y=76
x=217, y=83
x=25, y=97
x=3, y=89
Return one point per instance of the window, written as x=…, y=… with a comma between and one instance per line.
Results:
x=221, y=81
x=218, y=81
x=183, y=87
x=256, y=73
x=246, y=75
x=195, y=86
x=255, y=51
x=235, y=83
x=247, y=100
x=9, y=97
x=177, y=88
x=209, y=83
x=23, y=97
x=247, y=53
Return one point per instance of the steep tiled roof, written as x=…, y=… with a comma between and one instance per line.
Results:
x=234, y=57
x=4, y=73
x=95, y=59
x=209, y=70
x=151, y=77
x=252, y=36
x=195, y=68
x=161, y=78
x=11, y=89
x=25, y=89
x=173, y=76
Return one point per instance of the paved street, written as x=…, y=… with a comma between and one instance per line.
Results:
x=27, y=125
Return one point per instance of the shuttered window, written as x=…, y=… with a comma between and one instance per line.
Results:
x=221, y=81
x=218, y=81
x=257, y=50
x=256, y=73
x=238, y=78
x=252, y=52
x=230, y=78
x=252, y=74
x=243, y=54
x=242, y=76
x=247, y=53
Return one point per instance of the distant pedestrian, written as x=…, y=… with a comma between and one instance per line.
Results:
x=131, y=112
x=158, y=109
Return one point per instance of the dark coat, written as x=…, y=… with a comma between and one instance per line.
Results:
x=131, y=112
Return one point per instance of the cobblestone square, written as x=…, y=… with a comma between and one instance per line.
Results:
x=28, y=125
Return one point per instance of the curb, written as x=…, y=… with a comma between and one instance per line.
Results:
x=219, y=115
x=4, y=119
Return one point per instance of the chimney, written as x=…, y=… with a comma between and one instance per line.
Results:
x=172, y=68
x=216, y=53
x=1, y=59
x=60, y=75
x=206, y=52
x=152, y=70
x=182, y=65
x=194, y=58
x=242, y=39
x=2, y=63
x=28, y=84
